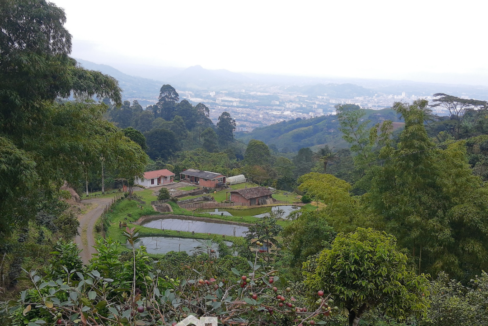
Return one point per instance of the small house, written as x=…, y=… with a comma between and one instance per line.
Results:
x=203, y=178
x=252, y=196
x=155, y=178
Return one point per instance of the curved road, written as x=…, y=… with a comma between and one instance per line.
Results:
x=86, y=240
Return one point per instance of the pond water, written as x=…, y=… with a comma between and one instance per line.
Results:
x=198, y=227
x=163, y=245
x=256, y=212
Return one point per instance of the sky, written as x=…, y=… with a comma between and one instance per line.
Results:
x=392, y=39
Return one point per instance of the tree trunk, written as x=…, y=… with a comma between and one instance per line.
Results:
x=325, y=165
x=355, y=318
x=103, y=180
x=86, y=182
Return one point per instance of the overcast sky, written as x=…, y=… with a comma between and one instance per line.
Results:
x=364, y=39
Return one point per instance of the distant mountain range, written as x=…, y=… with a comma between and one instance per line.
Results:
x=196, y=78
x=146, y=91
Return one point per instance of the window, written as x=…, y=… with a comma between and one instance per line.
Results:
x=152, y=181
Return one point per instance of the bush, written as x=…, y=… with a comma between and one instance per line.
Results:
x=306, y=199
x=163, y=194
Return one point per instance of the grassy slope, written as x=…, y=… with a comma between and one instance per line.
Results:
x=296, y=134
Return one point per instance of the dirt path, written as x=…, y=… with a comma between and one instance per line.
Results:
x=86, y=239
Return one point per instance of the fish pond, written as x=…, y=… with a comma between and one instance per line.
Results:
x=283, y=211
x=175, y=224
x=163, y=245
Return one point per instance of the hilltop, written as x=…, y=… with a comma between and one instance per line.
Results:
x=290, y=136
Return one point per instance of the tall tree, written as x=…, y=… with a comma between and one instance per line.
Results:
x=457, y=108
x=431, y=201
x=35, y=69
x=136, y=136
x=210, y=140
x=303, y=161
x=178, y=127
x=225, y=129
x=257, y=153
x=162, y=143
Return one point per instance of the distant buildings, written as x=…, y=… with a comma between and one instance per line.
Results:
x=252, y=196
x=155, y=178
x=203, y=178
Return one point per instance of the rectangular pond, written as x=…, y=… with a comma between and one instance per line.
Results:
x=197, y=227
x=163, y=245
x=283, y=211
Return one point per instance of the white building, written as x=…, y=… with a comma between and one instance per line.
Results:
x=155, y=178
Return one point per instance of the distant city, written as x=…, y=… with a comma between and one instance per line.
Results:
x=260, y=100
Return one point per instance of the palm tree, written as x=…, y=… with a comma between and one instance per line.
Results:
x=326, y=155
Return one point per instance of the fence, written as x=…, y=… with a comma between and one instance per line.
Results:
x=210, y=205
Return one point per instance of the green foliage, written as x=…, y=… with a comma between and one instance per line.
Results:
x=162, y=143
x=308, y=235
x=163, y=194
x=452, y=303
x=225, y=129
x=363, y=271
x=343, y=211
x=179, y=128
x=290, y=136
x=306, y=199
x=303, y=161
x=65, y=258
x=431, y=201
x=210, y=140
x=257, y=153
x=136, y=136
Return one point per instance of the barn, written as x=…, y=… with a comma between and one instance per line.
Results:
x=155, y=178
x=252, y=196
x=203, y=178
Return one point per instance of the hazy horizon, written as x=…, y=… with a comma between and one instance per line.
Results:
x=414, y=41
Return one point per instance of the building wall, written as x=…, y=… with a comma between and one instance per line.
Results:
x=208, y=183
x=236, y=198
x=147, y=182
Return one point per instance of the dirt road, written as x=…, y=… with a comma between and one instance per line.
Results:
x=86, y=239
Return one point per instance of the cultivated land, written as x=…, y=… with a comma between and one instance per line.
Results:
x=129, y=211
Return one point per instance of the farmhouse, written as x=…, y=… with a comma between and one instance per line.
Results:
x=252, y=196
x=203, y=178
x=155, y=178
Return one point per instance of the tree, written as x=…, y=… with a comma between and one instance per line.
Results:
x=225, y=129
x=257, y=153
x=365, y=271
x=308, y=235
x=303, y=161
x=210, y=140
x=162, y=143
x=164, y=194
x=178, y=127
x=144, y=121
x=430, y=200
x=457, y=107
x=342, y=211
x=166, y=106
x=136, y=136
x=203, y=109
x=265, y=231
x=327, y=155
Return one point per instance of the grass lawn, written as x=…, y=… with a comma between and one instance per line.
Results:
x=98, y=194
x=187, y=188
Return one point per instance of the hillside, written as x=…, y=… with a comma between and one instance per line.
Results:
x=295, y=134
x=144, y=90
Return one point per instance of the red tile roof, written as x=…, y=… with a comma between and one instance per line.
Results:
x=253, y=192
x=156, y=174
